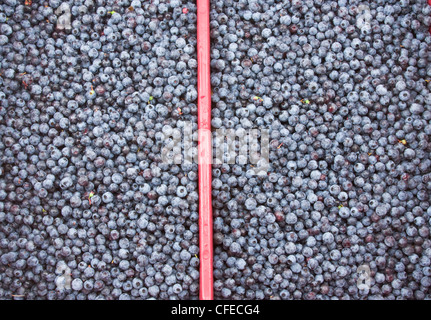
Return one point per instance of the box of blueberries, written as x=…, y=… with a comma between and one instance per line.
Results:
x=321, y=135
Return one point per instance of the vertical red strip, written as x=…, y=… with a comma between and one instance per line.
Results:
x=204, y=151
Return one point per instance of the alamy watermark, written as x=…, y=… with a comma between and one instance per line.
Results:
x=64, y=19
x=230, y=146
x=364, y=16
x=364, y=279
x=64, y=278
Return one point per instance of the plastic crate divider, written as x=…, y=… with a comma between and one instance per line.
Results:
x=204, y=151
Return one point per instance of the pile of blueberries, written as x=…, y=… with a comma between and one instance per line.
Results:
x=343, y=86
x=89, y=91
x=92, y=90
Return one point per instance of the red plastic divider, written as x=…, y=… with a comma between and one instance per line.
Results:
x=204, y=151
